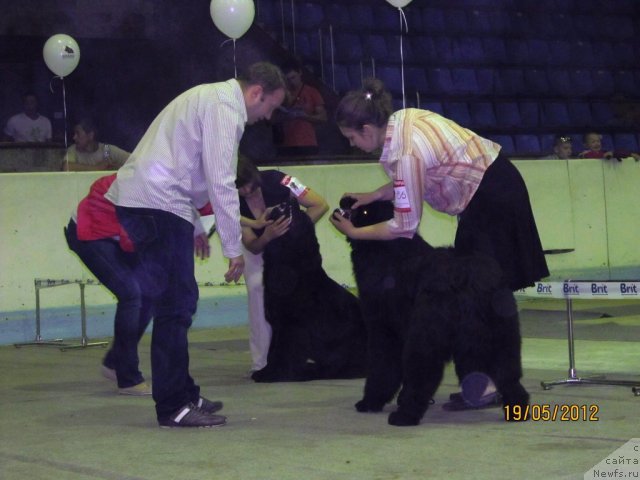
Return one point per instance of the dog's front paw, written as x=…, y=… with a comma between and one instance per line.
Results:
x=365, y=406
x=400, y=419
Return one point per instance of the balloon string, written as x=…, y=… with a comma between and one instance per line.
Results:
x=64, y=110
x=403, y=21
x=235, y=68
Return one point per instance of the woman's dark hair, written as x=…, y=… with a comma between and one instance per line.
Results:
x=265, y=74
x=371, y=104
x=247, y=172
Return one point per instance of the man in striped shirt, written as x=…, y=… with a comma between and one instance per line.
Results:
x=188, y=157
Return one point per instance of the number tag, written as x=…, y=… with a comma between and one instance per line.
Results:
x=293, y=184
x=401, y=203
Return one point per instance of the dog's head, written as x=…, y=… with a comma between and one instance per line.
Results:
x=375, y=212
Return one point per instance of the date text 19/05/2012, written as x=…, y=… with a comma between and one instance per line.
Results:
x=552, y=413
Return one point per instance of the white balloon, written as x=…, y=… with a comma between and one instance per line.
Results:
x=232, y=17
x=61, y=54
x=399, y=3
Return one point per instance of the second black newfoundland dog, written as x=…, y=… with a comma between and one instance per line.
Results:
x=317, y=324
x=423, y=307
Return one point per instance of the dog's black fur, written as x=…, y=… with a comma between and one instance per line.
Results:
x=318, y=329
x=423, y=307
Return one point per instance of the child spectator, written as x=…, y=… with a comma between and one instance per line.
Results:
x=562, y=148
x=593, y=145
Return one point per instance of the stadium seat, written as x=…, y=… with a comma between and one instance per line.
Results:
x=527, y=145
x=536, y=81
x=559, y=52
x=485, y=79
x=626, y=141
x=347, y=47
x=580, y=113
x=309, y=15
x=482, y=114
x=506, y=142
x=464, y=81
x=375, y=46
x=336, y=15
x=458, y=112
x=556, y=114
x=518, y=52
x=455, y=20
x=439, y=80
x=468, y=50
x=495, y=52
x=529, y=114
x=581, y=83
x=625, y=82
x=392, y=78
x=602, y=114
x=415, y=79
x=433, y=107
x=508, y=114
x=362, y=17
x=510, y=81
x=539, y=51
x=559, y=83
x=603, y=82
x=433, y=20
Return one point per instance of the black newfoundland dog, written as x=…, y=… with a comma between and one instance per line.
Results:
x=423, y=307
x=318, y=329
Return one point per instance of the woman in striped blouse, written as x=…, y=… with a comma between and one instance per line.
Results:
x=430, y=158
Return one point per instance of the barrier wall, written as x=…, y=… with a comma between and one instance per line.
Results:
x=586, y=210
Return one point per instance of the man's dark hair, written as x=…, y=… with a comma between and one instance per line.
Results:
x=265, y=74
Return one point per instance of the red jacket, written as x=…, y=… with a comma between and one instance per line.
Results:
x=97, y=216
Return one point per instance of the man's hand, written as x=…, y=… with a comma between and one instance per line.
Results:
x=343, y=225
x=236, y=267
x=201, y=246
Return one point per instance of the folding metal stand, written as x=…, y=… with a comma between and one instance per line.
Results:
x=84, y=340
x=573, y=378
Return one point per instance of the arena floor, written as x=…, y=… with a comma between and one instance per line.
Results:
x=61, y=420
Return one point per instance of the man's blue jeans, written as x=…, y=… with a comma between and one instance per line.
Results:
x=116, y=270
x=164, y=244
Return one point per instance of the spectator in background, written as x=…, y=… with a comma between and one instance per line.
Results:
x=28, y=126
x=302, y=109
x=562, y=148
x=87, y=154
x=593, y=149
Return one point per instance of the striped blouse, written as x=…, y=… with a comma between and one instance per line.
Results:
x=188, y=157
x=431, y=158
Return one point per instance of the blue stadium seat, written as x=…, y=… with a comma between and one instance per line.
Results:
x=464, y=81
x=510, y=81
x=626, y=141
x=342, y=81
x=623, y=54
x=433, y=20
x=482, y=114
x=581, y=83
x=415, y=79
x=603, y=54
x=602, y=113
x=559, y=52
x=393, y=48
x=488, y=21
x=455, y=20
x=336, y=15
x=620, y=26
x=375, y=46
x=485, y=78
x=386, y=18
x=581, y=51
x=423, y=49
x=536, y=81
x=458, y=112
x=309, y=15
x=362, y=17
x=347, y=47
x=546, y=143
x=443, y=49
x=559, y=83
x=433, y=107
x=506, y=142
x=603, y=82
x=580, y=114
x=556, y=114
x=439, y=80
x=539, y=51
x=508, y=114
x=268, y=13
x=518, y=52
x=303, y=46
x=528, y=145
x=494, y=49
x=625, y=82
x=392, y=78
x=529, y=113
x=468, y=50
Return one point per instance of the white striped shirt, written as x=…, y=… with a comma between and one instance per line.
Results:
x=189, y=157
x=437, y=160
